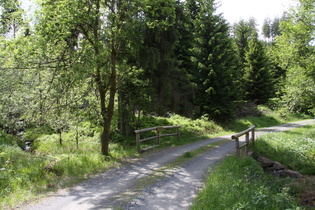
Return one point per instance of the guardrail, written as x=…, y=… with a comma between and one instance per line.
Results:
x=248, y=139
x=158, y=136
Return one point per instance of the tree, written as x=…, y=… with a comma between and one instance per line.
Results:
x=11, y=19
x=271, y=28
x=257, y=77
x=266, y=29
x=295, y=52
x=275, y=28
x=215, y=57
x=85, y=37
x=157, y=52
x=90, y=40
x=183, y=92
x=242, y=32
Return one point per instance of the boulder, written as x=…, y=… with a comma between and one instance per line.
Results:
x=289, y=173
x=264, y=162
x=276, y=166
x=276, y=169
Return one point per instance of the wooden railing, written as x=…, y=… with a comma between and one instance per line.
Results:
x=158, y=135
x=248, y=139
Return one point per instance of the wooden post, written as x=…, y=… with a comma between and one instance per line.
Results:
x=138, y=142
x=178, y=133
x=158, y=135
x=158, y=131
x=247, y=144
x=253, y=135
x=237, y=145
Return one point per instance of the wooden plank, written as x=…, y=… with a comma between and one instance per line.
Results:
x=171, y=126
x=242, y=133
x=244, y=145
x=144, y=130
x=158, y=130
x=153, y=137
x=148, y=148
x=170, y=134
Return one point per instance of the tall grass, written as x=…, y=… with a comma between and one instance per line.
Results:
x=241, y=184
x=295, y=149
x=23, y=175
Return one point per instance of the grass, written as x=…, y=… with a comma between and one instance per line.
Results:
x=199, y=129
x=22, y=174
x=295, y=149
x=267, y=118
x=241, y=183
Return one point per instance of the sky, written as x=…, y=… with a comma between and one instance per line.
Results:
x=235, y=10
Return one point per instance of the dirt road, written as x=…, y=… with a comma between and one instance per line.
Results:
x=147, y=183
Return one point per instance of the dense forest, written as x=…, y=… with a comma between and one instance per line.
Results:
x=112, y=62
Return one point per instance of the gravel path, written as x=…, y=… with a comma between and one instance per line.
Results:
x=127, y=187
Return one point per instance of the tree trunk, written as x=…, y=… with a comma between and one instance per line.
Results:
x=124, y=115
x=108, y=113
x=105, y=139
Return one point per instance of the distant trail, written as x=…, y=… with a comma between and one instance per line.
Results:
x=125, y=187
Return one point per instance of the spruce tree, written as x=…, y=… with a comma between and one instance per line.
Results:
x=157, y=51
x=215, y=57
x=242, y=32
x=257, y=77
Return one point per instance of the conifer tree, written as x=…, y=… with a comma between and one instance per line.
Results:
x=157, y=56
x=242, y=32
x=215, y=57
x=257, y=77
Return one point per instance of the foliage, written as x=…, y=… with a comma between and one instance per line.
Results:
x=189, y=127
x=257, y=72
x=241, y=184
x=22, y=174
x=19, y=173
x=242, y=32
x=11, y=18
x=295, y=148
x=215, y=59
x=295, y=52
x=271, y=28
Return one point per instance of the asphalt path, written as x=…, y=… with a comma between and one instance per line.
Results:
x=127, y=187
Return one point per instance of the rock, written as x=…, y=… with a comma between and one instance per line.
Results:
x=276, y=166
x=265, y=162
x=289, y=173
x=276, y=169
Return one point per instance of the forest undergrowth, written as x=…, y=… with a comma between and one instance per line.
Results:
x=49, y=165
